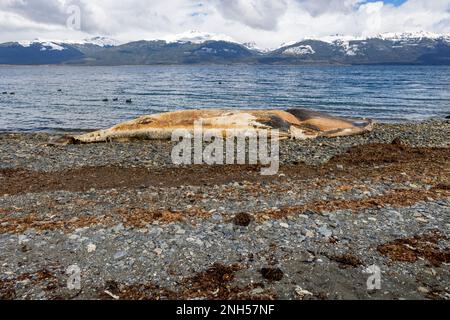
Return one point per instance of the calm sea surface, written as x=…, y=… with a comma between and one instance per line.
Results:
x=384, y=93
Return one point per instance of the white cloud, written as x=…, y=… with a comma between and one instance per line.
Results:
x=258, y=14
x=319, y=7
x=266, y=22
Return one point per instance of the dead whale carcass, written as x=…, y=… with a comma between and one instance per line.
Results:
x=293, y=123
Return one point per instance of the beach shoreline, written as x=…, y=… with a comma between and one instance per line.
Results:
x=139, y=227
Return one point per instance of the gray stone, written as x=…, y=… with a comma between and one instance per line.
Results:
x=324, y=231
x=120, y=255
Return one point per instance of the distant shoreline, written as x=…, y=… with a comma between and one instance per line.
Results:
x=232, y=64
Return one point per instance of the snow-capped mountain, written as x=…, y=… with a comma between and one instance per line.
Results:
x=200, y=47
x=199, y=37
x=392, y=48
x=352, y=46
x=416, y=36
x=254, y=47
x=397, y=37
x=98, y=41
x=38, y=52
x=299, y=50
x=196, y=37
x=45, y=45
x=60, y=45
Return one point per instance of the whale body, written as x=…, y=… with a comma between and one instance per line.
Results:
x=292, y=124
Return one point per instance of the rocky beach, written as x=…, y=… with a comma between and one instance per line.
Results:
x=137, y=227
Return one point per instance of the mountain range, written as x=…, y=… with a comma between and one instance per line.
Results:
x=201, y=48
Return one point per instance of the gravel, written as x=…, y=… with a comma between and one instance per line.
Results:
x=232, y=239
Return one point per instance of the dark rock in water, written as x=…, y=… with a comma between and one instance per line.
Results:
x=129, y=101
x=12, y=93
x=59, y=90
x=105, y=100
x=116, y=99
x=447, y=117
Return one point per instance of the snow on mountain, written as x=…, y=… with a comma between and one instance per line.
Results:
x=299, y=50
x=51, y=46
x=253, y=46
x=25, y=44
x=60, y=45
x=347, y=44
x=408, y=47
x=347, y=48
x=45, y=44
x=406, y=36
x=402, y=36
x=338, y=38
x=288, y=44
x=100, y=41
x=196, y=37
x=350, y=45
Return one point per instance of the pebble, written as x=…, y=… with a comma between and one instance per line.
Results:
x=74, y=237
x=180, y=231
x=118, y=228
x=195, y=241
x=284, y=225
x=91, y=247
x=423, y=290
x=309, y=234
x=257, y=291
x=120, y=255
x=305, y=257
x=301, y=293
x=324, y=231
x=23, y=239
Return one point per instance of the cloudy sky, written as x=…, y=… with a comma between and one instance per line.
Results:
x=268, y=23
